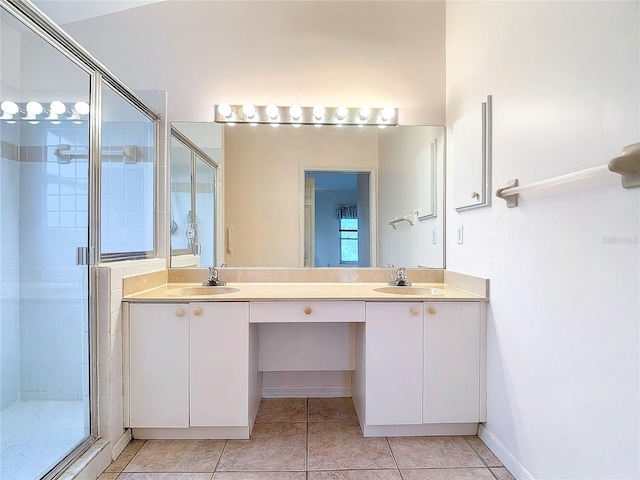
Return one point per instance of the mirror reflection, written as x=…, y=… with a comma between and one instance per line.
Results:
x=193, y=200
x=323, y=197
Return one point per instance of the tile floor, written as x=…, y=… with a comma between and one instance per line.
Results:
x=36, y=434
x=308, y=439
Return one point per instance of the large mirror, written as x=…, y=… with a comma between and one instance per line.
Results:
x=324, y=197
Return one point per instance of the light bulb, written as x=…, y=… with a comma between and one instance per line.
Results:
x=224, y=109
x=317, y=125
x=82, y=108
x=364, y=113
x=57, y=107
x=253, y=124
x=296, y=125
x=341, y=113
x=34, y=107
x=318, y=112
x=231, y=124
x=249, y=110
x=387, y=113
x=9, y=107
x=382, y=126
x=275, y=125
x=272, y=111
x=295, y=111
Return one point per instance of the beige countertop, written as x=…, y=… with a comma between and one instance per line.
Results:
x=303, y=291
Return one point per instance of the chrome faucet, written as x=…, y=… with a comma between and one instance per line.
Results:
x=212, y=279
x=401, y=279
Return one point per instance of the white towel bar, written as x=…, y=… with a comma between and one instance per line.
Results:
x=627, y=165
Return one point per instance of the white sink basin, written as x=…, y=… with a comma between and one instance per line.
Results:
x=422, y=291
x=201, y=291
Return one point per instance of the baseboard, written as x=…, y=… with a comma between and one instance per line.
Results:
x=121, y=444
x=305, y=392
x=499, y=450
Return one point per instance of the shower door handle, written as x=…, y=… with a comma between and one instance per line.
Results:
x=86, y=256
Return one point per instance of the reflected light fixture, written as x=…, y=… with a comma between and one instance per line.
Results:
x=81, y=108
x=9, y=107
x=299, y=115
x=34, y=108
x=57, y=107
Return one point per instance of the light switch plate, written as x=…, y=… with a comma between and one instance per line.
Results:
x=460, y=235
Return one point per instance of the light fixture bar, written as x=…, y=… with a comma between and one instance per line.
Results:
x=298, y=115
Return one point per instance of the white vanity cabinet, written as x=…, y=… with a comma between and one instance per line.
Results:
x=393, y=359
x=420, y=368
x=159, y=365
x=192, y=365
x=453, y=359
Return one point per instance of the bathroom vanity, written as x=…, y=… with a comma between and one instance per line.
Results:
x=194, y=358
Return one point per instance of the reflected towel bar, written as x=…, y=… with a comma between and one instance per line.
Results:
x=411, y=218
x=627, y=165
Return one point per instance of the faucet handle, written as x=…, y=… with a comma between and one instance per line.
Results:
x=213, y=273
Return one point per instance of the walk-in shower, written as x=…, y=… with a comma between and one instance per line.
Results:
x=44, y=217
x=68, y=131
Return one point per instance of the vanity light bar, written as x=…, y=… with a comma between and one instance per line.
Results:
x=297, y=115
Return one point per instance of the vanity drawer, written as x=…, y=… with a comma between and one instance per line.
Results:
x=307, y=312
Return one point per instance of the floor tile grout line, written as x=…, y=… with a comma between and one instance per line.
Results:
x=474, y=451
x=395, y=462
x=306, y=465
x=215, y=469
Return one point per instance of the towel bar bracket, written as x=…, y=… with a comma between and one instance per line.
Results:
x=511, y=199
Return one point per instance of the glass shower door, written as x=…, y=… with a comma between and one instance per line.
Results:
x=44, y=217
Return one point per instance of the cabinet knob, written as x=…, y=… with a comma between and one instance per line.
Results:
x=432, y=310
x=415, y=311
x=307, y=311
x=197, y=311
x=180, y=313
x=475, y=195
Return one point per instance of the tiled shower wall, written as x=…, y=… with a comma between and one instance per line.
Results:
x=43, y=303
x=53, y=222
x=127, y=189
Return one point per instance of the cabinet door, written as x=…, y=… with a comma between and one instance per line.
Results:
x=452, y=362
x=159, y=365
x=220, y=364
x=393, y=379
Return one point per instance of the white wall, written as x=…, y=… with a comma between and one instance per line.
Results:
x=208, y=52
x=563, y=344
